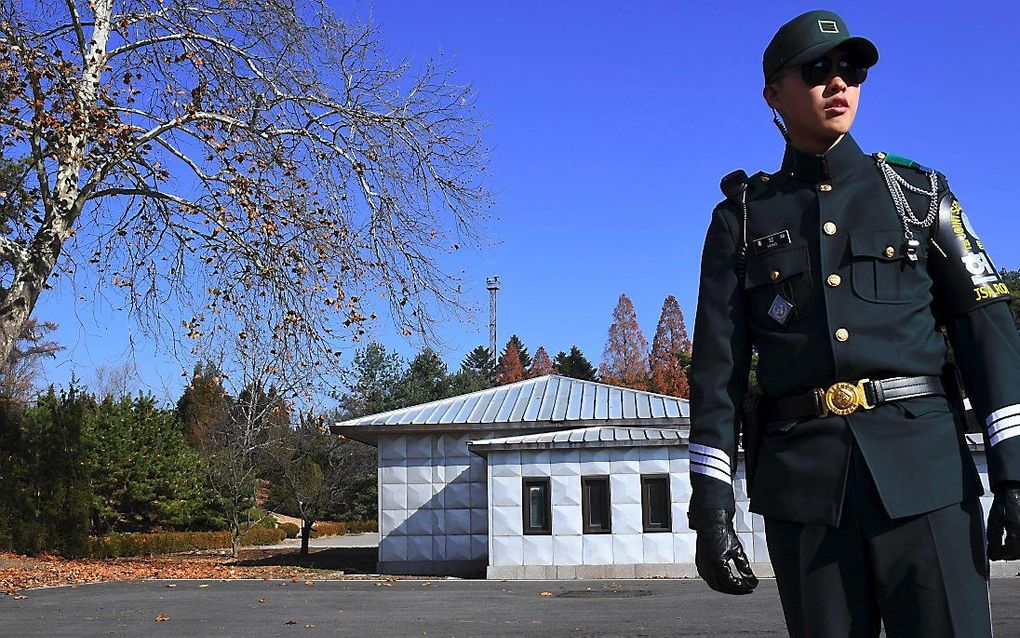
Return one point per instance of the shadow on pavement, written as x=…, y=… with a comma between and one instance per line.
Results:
x=350, y=560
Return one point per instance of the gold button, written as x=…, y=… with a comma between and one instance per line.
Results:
x=825, y=188
x=764, y=178
x=833, y=280
x=774, y=275
x=842, y=334
x=829, y=228
x=889, y=251
x=880, y=155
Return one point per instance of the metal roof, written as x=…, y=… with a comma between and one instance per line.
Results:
x=547, y=400
x=599, y=436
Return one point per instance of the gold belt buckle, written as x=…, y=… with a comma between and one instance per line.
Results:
x=844, y=398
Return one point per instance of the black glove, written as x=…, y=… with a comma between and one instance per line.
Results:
x=718, y=555
x=1004, y=517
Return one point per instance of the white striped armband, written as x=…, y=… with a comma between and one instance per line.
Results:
x=711, y=462
x=1003, y=424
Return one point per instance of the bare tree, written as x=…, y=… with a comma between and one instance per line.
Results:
x=236, y=446
x=115, y=380
x=20, y=372
x=230, y=157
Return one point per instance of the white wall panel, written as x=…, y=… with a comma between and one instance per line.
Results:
x=597, y=549
x=658, y=548
x=567, y=549
x=538, y=550
x=566, y=490
x=625, y=488
x=627, y=548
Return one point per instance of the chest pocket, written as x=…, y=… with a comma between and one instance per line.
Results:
x=782, y=271
x=881, y=272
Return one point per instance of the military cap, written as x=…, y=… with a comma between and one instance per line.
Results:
x=810, y=36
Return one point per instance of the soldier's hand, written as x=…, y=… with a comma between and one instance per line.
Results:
x=719, y=556
x=1004, y=523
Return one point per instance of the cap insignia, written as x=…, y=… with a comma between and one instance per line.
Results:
x=828, y=26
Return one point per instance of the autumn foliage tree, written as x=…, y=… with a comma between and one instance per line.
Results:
x=625, y=358
x=522, y=350
x=671, y=351
x=226, y=158
x=509, y=369
x=541, y=364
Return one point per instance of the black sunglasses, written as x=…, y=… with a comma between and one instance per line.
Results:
x=817, y=72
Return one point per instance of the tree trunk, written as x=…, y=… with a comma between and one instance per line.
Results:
x=235, y=542
x=33, y=265
x=306, y=533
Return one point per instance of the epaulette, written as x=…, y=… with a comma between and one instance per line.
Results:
x=758, y=185
x=736, y=185
x=899, y=160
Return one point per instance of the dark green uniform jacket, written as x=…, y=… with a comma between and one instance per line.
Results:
x=832, y=245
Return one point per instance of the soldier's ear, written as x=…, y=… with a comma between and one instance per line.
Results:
x=771, y=96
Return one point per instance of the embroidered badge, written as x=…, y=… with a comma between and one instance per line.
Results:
x=769, y=242
x=780, y=309
x=828, y=26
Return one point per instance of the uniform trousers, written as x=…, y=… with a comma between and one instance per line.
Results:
x=923, y=575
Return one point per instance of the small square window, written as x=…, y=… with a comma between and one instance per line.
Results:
x=595, y=505
x=537, y=506
x=655, y=509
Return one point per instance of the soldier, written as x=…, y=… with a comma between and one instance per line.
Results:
x=848, y=273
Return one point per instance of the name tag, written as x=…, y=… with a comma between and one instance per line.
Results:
x=768, y=242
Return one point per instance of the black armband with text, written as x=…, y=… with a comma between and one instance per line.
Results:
x=962, y=273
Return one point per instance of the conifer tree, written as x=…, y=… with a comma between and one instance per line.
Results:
x=575, y=365
x=671, y=351
x=509, y=368
x=541, y=364
x=375, y=377
x=522, y=351
x=625, y=358
x=479, y=361
x=425, y=380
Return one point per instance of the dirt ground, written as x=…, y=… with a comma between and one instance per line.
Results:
x=22, y=572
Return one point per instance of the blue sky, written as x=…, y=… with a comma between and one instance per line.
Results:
x=610, y=124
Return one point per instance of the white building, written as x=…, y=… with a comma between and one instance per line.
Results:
x=550, y=477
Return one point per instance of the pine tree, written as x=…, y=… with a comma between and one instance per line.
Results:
x=375, y=377
x=541, y=364
x=425, y=380
x=575, y=365
x=479, y=361
x=509, y=369
x=625, y=359
x=522, y=352
x=671, y=351
x=204, y=406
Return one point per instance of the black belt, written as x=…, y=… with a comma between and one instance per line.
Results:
x=843, y=397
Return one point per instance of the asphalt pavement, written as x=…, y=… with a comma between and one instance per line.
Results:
x=460, y=608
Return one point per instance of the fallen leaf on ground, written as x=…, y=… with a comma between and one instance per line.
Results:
x=162, y=618
x=290, y=622
x=263, y=600
x=377, y=584
x=171, y=586
x=20, y=597
x=546, y=593
x=203, y=585
x=309, y=583
x=309, y=626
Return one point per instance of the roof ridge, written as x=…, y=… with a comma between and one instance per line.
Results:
x=505, y=387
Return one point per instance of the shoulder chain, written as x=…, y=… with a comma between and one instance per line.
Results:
x=896, y=184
